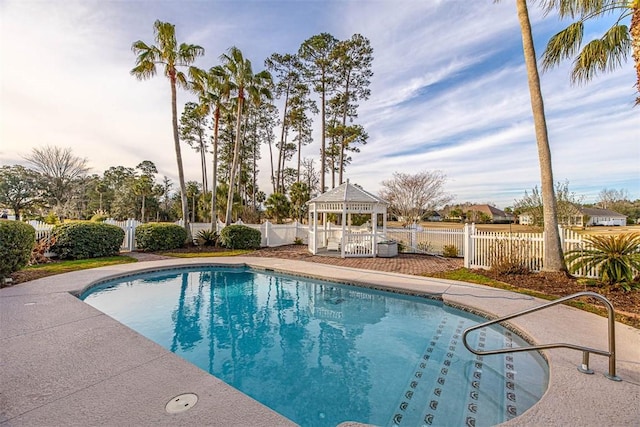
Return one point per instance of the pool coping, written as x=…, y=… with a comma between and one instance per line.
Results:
x=64, y=363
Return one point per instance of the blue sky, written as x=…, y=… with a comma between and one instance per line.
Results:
x=449, y=90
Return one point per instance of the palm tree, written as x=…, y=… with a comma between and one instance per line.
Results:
x=615, y=258
x=553, y=259
x=241, y=80
x=170, y=55
x=601, y=54
x=211, y=89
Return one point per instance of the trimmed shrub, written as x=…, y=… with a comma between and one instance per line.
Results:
x=17, y=240
x=99, y=218
x=52, y=219
x=207, y=238
x=81, y=240
x=160, y=237
x=240, y=237
x=450, y=251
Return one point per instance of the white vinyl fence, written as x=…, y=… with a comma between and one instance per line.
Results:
x=272, y=234
x=480, y=249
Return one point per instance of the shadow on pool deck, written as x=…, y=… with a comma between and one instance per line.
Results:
x=65, y=363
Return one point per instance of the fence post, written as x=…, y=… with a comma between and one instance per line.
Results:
x=467, y=245
x=267, y=226
x=134, y=224
x=414, y=240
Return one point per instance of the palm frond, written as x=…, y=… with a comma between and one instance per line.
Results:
x=563, y=45
x=601, y=55
x=139, y=47
x=615, y=258
x=144, y=70
x=165, y=36
x=181, y=80
x=574, y=8
x=187, y=54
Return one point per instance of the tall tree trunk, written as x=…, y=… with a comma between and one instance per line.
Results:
x=634, y=30
x=214, y=172
x=344, y=128
x=242, y=185
x=236, y=155
x=203, y=163
x=282, y=138
x=273, y=178
x=553, y=258
x=254, y=173
x=281, y=167
x=332, y=162
x=324, y=131
x=299, y=149
x=176, y=141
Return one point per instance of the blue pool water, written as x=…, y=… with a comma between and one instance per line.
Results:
x=321, y=353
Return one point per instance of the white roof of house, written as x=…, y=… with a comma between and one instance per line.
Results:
x=348, y=193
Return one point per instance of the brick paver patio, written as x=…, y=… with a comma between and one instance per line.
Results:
x=416, y=264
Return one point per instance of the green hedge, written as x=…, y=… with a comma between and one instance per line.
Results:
x=160, y=237
x=17, y=240
x=240, y=237
x=81, y=240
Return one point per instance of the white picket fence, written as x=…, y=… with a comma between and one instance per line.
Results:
x=480, y=249
x=483, y=249
x=429, y=241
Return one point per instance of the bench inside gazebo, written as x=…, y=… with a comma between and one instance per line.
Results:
x=342, y=238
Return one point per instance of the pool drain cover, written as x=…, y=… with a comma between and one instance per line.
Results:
x=181, y=403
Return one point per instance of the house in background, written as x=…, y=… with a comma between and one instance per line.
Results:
x=597, y=216
x=585, y=217
x=487, y=213
x=432, y=216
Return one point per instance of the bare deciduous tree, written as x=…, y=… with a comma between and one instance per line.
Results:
x=61, y=169
x=411, y=195
x=607, y=198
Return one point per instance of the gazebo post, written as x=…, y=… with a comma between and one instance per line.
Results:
x=384, y=222
x=314, y=212
x=344, y=220
x=374, y=229
x=324, y=228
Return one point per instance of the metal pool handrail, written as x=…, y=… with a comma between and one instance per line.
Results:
x=584, y=368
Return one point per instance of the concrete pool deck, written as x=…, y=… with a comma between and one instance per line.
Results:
x=63, y=362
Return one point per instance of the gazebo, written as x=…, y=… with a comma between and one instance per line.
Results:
x=344, y=238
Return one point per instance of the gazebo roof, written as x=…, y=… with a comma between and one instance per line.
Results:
x=348, y=193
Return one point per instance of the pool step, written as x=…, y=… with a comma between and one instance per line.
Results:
x=435, y=389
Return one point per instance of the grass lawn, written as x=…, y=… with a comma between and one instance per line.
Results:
x=38, y=271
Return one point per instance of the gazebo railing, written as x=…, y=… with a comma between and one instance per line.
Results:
x=358, y=244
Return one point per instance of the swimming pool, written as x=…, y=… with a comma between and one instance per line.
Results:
x=322, y=353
